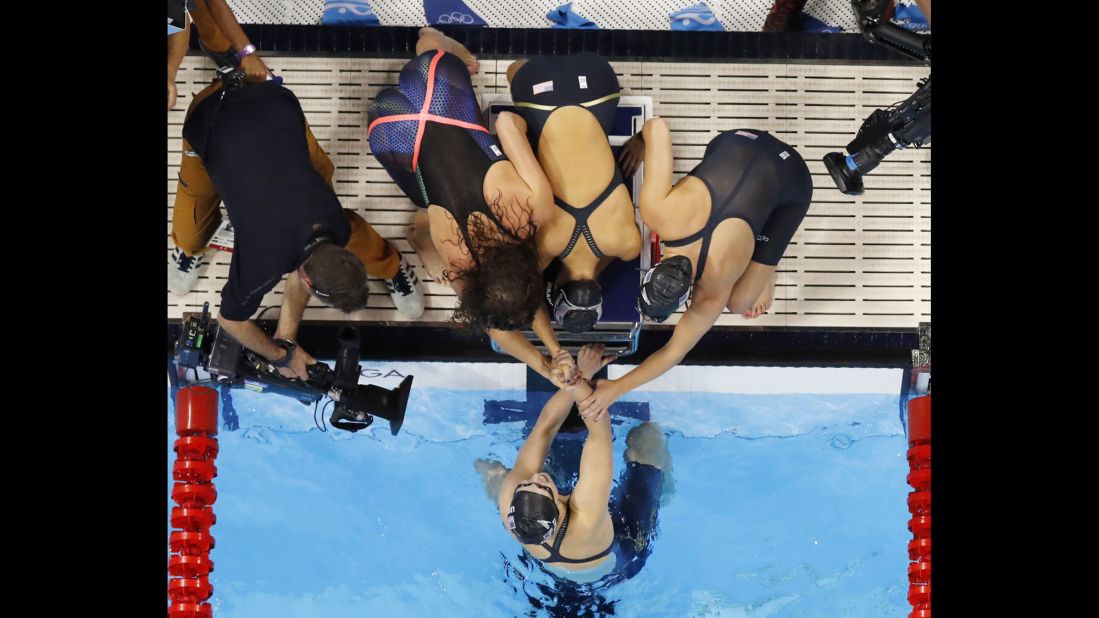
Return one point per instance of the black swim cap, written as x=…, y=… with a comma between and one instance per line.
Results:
x=532, y=517
x=665, y=288
x=578, y=305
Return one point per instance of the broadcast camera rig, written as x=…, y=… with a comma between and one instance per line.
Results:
x=202, y=343
x=900, y=126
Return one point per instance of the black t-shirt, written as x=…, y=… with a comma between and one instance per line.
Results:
x=252, y=142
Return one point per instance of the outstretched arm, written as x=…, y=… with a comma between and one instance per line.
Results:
x=593, y=487
x=696, y=321
x=516, y=344
x=533, y=452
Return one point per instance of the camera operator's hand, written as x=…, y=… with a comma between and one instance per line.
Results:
x=255, y=71
x=298, y=367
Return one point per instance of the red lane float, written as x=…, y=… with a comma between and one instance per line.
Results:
x=919, y=549
x=919, y=505
x=190, y=610
x=190, y=543
x=194, y=493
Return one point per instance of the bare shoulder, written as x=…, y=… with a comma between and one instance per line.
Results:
x=680, y=213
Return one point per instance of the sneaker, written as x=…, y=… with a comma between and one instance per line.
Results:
x=783, y=16
x=183, y=271
x=404, y=288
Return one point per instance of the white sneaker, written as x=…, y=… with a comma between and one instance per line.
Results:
x=406, y=292
x=183, y=271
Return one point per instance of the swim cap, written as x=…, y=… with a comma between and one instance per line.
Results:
x=665, y=288
x=578, y=305
x=532, y=516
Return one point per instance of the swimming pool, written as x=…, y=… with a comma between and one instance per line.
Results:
x=787, y=499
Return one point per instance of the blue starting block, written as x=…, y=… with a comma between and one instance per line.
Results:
x=620, y=325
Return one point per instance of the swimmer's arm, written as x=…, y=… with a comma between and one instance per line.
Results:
x=593, y=487
x=533, y=452
x=514, y=343
x=695, y=322
x=544, y=329
x=512, y=131
x=658, y=164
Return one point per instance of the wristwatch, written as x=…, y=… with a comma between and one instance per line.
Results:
x=248, y=49
x=289, y=346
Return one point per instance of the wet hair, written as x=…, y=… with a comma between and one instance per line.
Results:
x=338, y=277
x=503, y=287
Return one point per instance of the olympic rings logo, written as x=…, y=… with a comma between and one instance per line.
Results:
x=455, y=18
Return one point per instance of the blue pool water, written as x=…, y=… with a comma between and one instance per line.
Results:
x=783, y=505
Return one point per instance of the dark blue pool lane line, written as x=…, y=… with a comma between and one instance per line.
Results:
x=636, y=45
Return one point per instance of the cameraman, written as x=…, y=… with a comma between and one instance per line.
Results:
x=251, y=147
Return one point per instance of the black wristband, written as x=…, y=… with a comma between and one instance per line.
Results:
x=289, y=346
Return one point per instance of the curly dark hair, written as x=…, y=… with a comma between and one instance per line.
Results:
x=503, y=287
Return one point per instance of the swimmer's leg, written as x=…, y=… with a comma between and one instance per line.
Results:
x=636, y=499
x=431, y=38
x=646, y=444
x=754, y=291
x=419, y=236
x=492, y=475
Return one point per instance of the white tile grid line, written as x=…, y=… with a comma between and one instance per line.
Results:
x=873, y=271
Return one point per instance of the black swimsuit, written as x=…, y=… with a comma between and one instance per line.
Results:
x=446, y=177
x=751, y=175
x=428, y=135
x=581, y=216
x=555, y=551
x=547, y=83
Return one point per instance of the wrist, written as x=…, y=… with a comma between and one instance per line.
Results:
x=247, y=50
x=288, y=353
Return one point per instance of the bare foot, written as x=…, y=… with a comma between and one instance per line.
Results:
x=763, y=303
x=492, y=475
x=646, y=444
x=456, y=48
